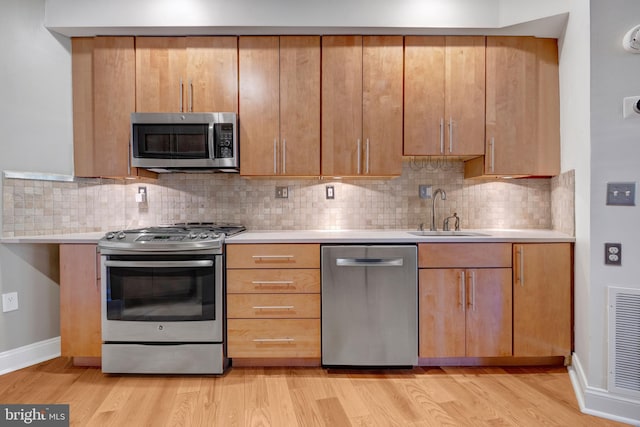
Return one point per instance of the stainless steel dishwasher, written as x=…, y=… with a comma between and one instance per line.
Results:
x=369, y=305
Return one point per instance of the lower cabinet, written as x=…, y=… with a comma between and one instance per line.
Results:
x=80, y=321
x=465, y=300
x=465, y=313
x=542, y=299
x=273, y=301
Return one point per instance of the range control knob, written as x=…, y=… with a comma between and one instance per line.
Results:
x=192, y=235
x=204, y=235
x=121, y=235
x=110, y=235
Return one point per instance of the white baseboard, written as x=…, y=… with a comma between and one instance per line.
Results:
x=28, y=355
x=599, y=402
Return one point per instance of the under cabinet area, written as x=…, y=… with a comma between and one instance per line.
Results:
x=273, y=302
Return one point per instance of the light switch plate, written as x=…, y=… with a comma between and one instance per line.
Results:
x=9, y=301
x=621, y=193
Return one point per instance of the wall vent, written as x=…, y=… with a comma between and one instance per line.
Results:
x=624, y=341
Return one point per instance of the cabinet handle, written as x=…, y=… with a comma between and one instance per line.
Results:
x=272, y=282
x=492, y=158
x=441, y=135
x=275, y=156
x=450, y=135
x=463, y=293
x=359, y=149
x=273, y=256
x=273, y=307
x=284, y=156
x=181, y=90
x=520, y=251
x=367, y=157
x=190, y=101
x=273, y=340
x=473, y=290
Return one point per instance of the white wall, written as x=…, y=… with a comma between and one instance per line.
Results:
x=35, y=118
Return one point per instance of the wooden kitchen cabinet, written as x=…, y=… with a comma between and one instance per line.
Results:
x=542, y=308
x=522, y=109
x=103, y=98
x=186, y=74
x=444, y=95
x=273, y=301
x=80, y=302
x=362, y=105
x=465, y=300
x=280, y=105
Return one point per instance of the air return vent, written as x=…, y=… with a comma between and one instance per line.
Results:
x=624, y=345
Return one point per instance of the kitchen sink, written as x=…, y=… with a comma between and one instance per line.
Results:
x=440, y=233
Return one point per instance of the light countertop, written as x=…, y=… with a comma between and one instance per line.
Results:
x=331, y=236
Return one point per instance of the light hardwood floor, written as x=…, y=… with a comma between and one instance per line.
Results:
x=286, y=397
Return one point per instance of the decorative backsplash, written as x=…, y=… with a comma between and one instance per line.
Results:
x=33, y=207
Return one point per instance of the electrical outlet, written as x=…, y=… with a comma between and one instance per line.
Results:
x=9, y=302
x=613, y=253
x=424, y=191
x=282, y=192
x=141, y=196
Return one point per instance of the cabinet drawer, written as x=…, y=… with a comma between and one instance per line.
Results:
x=464, y=255
x=269, y=306
x=273, y=338
x=273, y=281
x=273, y=256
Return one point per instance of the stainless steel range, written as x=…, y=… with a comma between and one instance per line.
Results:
x=163, y=299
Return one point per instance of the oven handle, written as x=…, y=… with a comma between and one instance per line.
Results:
x=164, y=264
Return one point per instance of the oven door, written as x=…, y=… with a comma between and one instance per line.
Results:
x=162, y=298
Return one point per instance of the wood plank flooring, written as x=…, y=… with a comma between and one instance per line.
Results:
x=286, y=397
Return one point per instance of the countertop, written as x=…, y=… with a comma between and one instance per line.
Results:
x=331, y=236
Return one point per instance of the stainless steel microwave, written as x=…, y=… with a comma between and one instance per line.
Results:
x=189, y=142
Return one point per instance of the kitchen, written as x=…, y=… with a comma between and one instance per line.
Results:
x=574, y=129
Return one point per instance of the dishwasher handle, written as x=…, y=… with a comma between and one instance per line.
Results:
x=369, y=262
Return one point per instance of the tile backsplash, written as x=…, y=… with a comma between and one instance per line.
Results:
x=32, y=207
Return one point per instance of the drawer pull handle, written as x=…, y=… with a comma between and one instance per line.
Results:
x=273, y=307
x=273, y=256
x=272, y=282
x=274, y=340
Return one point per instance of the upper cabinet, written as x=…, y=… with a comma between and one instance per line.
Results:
x=186, y=74
x=103, y=98
x=522, y=109
x=362, y=105
x=280, y=105
x=444, y=96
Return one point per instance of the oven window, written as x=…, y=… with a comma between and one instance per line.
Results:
x=184, y=141
x=161, y=293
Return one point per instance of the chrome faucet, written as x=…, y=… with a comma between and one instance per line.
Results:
x=443, y=195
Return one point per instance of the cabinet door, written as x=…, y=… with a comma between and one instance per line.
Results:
x=424, y=94
x=341, y=105
x=542, y=299
x=212, y=73
x=160, y=68
x=80, y=310
x=442, y=313
x=259, y=104
x=489, y=305
x=464, y=115
x=82, y=72
x=300, y=105
x=382, y=69
x=522, y=117
x=114, y=100
x=444, y=96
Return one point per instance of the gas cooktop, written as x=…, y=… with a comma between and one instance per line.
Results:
x=179, y=236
